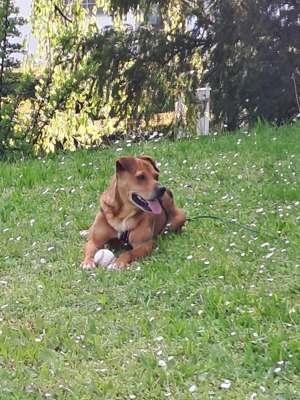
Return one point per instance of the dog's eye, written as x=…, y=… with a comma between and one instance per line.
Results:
x=141, y=177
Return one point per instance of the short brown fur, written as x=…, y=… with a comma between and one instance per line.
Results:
x=119, y=213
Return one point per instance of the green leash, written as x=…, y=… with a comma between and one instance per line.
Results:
x=228, y=221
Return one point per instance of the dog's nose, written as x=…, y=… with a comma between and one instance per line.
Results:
x=160, y=190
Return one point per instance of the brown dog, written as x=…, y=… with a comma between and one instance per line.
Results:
x=133, y=211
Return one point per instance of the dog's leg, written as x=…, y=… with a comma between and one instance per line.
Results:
x=140, y=248
x=99, y=234
x=90, y=249
x=126, y=258
x=176, y=219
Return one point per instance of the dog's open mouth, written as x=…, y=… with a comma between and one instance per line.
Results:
x=146, y=205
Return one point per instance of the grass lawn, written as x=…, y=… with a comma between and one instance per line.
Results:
x=212, y=314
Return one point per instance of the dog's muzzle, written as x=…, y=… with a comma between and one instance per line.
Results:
x=152, y=205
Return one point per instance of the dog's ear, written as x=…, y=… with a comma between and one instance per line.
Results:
x=110, y=194
x=150, y=160
x=126, y=164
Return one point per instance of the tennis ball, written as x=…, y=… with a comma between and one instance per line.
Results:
x=104, y=257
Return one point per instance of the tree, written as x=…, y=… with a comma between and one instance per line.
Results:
x=247, y=51
x=252, y=60
x=77, y=77
x=138, y=67
x=250, y=53
x=12, y=83
x=65, y=79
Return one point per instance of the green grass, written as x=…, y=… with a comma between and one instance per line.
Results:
x=172, y=326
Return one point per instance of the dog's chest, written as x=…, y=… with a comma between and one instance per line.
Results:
x=122, y=225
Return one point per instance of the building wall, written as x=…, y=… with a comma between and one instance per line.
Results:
x=31, y=41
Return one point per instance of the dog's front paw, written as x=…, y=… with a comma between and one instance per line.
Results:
x=88, y=265
x=115, y=266
x=112, y=267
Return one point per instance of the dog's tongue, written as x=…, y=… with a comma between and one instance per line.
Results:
x=155, y=206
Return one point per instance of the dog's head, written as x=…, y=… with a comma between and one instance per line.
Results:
x=137, y=180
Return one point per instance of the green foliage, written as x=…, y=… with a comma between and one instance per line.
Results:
x=143, y=71
x=113, y=74
x=54, y=122
x=253, y=58
x=139, y=75
x=14, y=86
x=248, y=52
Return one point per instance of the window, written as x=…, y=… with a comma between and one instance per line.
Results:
x=155, y=19
x=89, y=4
